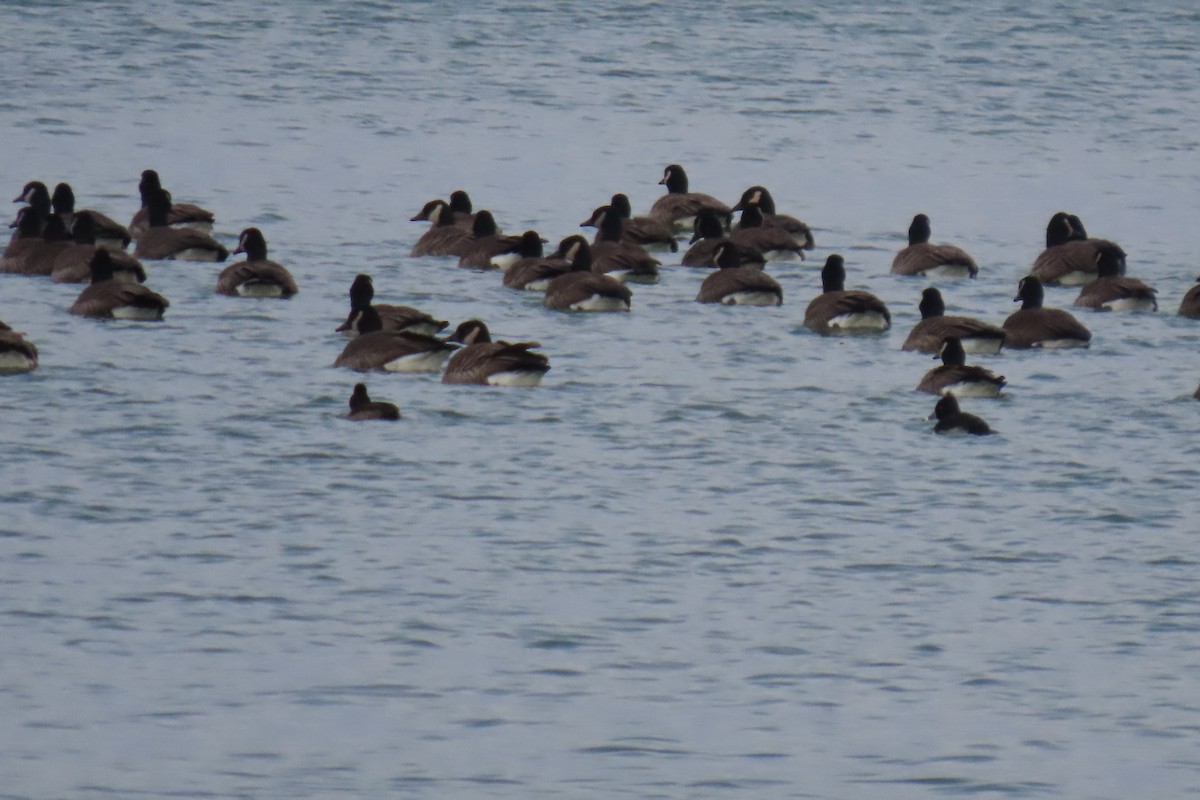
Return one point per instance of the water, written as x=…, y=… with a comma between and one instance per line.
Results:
x=713, y=555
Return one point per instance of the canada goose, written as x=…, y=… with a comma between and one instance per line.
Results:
x=680, y=205
x=391, y=318
x=758, y=195
x=838, y=310
x=734, y=284
x=362, y=407
x=185, y=215
x=612, y=255
x=482, y=361
x=773, y=242
x=460, y=208
x=487, y=248
x=524, y=248
x=956, y=378
x=110, y=299
x=17, y=354
x=37, y=198
x=33, y=254
x=708, y=233
x=1034, y=326
x=951, y=419
x=582, y=289
x=1190, y=305
x=162, y=242
x=649, y=232
x=935, y=327
x=443, y=235
x=257, y=276
x=108, y=232
x=923, y=258
x=1069, y=260
x=74, y=263
x=1110, y=291
x=391, y=351
x=535, y=274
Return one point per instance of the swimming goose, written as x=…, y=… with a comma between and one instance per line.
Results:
x=17, y=354
x=443, y=235
x=935, y=327
x=186, y=215
x=648, y=232
x=36, y=197
x=1070, y=258
x=110, y=299
x=362, y=407
x=758, y=195
x=951, y=419
x=1110, y=291
x=107, y=231
x=1190, y=305
x=162, y=242
x=32, y=254
x=392, y=318
x=956, y=378
x=774, y=243
x=257, y=276
x=614, y=256
x=734, y=284
x=838, y=310
x=923, y=258
x=680, y=205
x=535, y=274
x=391, y=351
x=487, y=248
x=582, y=289
x=484, y=362
x=74, y=263
x=708, y=233
x=1034, y=326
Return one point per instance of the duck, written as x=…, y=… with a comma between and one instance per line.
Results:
x=107, y=231
x=921, y=258
x=735, y=284
x=648, y=232
x=759, y=196
x=613, y=255
x=187, y=215
x=956, y=378
x=363, y=408
x=1190, y=305
x=1111, y=291
x=1070, y=257
x=73, y=264
x=484, y=362
x=162, y=242
x=257, y=276
x=935, y=327
x=392, y=318
x=678, y=204
x=17, y=354
x=772, y=242
x=391, y=351
x=1034, y=326
x=535, y=274
x=443, y=236
x=106, y=298
x=837, y=310
x=30, y=253
x=487, y=248
x=582, y=289
x=951, y=419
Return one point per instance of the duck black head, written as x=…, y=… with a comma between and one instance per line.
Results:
x=101, y=266
x=473, y=331
x=619, y=205
x=362, y=291
x=675, y=179
x=919, y=231
x=253, y=244
x=1030, y=292
x=63, y=199
x=833, y=274
x=952, y=353
x=484, y=224
x=460, y=201
x=707, y=226
x=1058, y=229
x=932, y=304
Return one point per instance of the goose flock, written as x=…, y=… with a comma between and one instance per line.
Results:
x=53, y=239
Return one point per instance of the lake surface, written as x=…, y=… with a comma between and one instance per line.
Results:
x=713, y=555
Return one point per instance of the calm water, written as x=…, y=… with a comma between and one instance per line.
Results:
x=713, y=555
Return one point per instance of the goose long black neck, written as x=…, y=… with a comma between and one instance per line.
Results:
x=919, y=231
